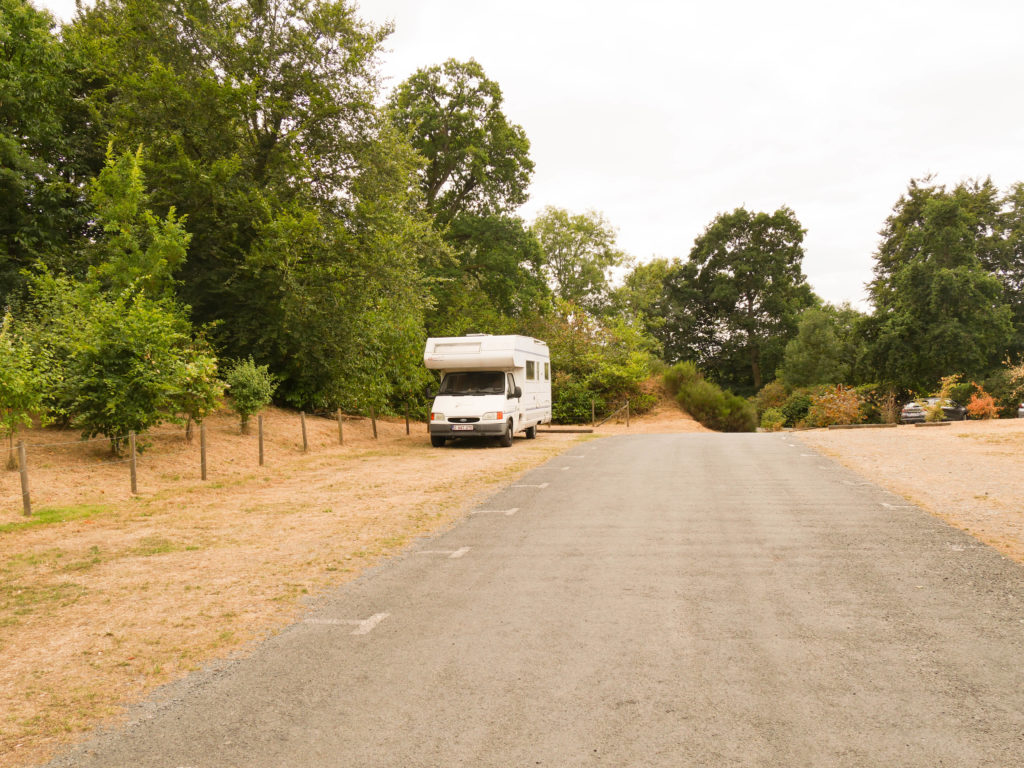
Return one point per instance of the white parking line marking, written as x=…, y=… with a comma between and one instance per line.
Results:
x=897, y=506
x=451, y=553
x=565, y=468
x=539, y=485
x=506, y=512
x=362, y=626
x=366, y=627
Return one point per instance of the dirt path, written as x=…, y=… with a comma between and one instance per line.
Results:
x=970, y=474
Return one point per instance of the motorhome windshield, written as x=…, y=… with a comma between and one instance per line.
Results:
x=473, y=383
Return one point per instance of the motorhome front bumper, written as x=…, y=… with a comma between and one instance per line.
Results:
x=477, y=429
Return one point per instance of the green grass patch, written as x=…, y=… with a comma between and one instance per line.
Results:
x=22, y=599
x=155, y=545
x=53, y=515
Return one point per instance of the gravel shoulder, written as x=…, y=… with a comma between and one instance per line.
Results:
x=970, y=474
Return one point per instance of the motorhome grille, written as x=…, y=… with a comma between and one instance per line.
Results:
x=464, y=420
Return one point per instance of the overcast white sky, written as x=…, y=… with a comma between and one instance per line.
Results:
x=662, y=114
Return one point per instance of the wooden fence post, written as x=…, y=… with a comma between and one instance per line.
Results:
x=407, y=418
x=131, y=462
x=305, y=440
x=202, y=449
x=26, y=498
x=627, y=414
x=373, y=420
x=593, y=413
x=341, y=429
x=259, y=421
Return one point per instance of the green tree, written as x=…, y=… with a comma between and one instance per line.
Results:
x=476, y=160
x=736, y=302
x=493, y=281
x=937, y=308
x=251, y=388
x=45, y=147
x=604, y=360
x=198, y=390
x=136, y=248
x=827, y=348
x=23, y=384
x=126, y=365
x=261, y=127
x=580, y=253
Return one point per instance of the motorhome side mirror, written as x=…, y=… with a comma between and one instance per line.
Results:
x=517, y=392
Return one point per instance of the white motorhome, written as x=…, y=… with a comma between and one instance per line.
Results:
x=491, y=386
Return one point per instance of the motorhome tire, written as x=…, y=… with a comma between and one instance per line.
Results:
x=531, y=432
x=506, y=436
x=437, y=442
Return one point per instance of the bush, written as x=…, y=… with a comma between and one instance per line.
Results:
x=680, y=374
x=834, y=405
x=125, y=366
x=772, y=395
x=982, y=405
x=795, y=408
x=773, y=419
x=571, y=400
x=708, y=403
x=251, y=387
x=23, y=384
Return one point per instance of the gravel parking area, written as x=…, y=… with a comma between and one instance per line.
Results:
x=970, y=474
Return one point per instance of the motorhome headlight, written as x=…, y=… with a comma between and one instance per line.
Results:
x=493, y=416
x=434, y=416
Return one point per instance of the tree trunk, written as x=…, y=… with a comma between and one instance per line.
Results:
x=755, y=367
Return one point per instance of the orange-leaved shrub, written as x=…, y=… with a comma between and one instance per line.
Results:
x=834, y=405
x=982, y=405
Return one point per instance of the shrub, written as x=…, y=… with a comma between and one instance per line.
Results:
x=680, y=374
x=125, y=366
x=23, y=384
x=772, y=395
x=795, y=408
x=982, y=405
x=571, y=401
x=199, y=389
x=709, y=404
x=773, y=419
x=251, y=387
x=834, y=405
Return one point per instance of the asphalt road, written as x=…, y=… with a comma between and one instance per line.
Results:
x=658, y=600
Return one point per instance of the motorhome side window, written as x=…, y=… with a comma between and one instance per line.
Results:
x=531, y=372
x=547, y=371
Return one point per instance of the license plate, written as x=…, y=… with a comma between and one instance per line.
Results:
x=462, y=427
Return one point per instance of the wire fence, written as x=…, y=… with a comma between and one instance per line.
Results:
x=46, y=467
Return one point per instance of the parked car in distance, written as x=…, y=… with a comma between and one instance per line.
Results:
x=1020, y=411
x=916, y=411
